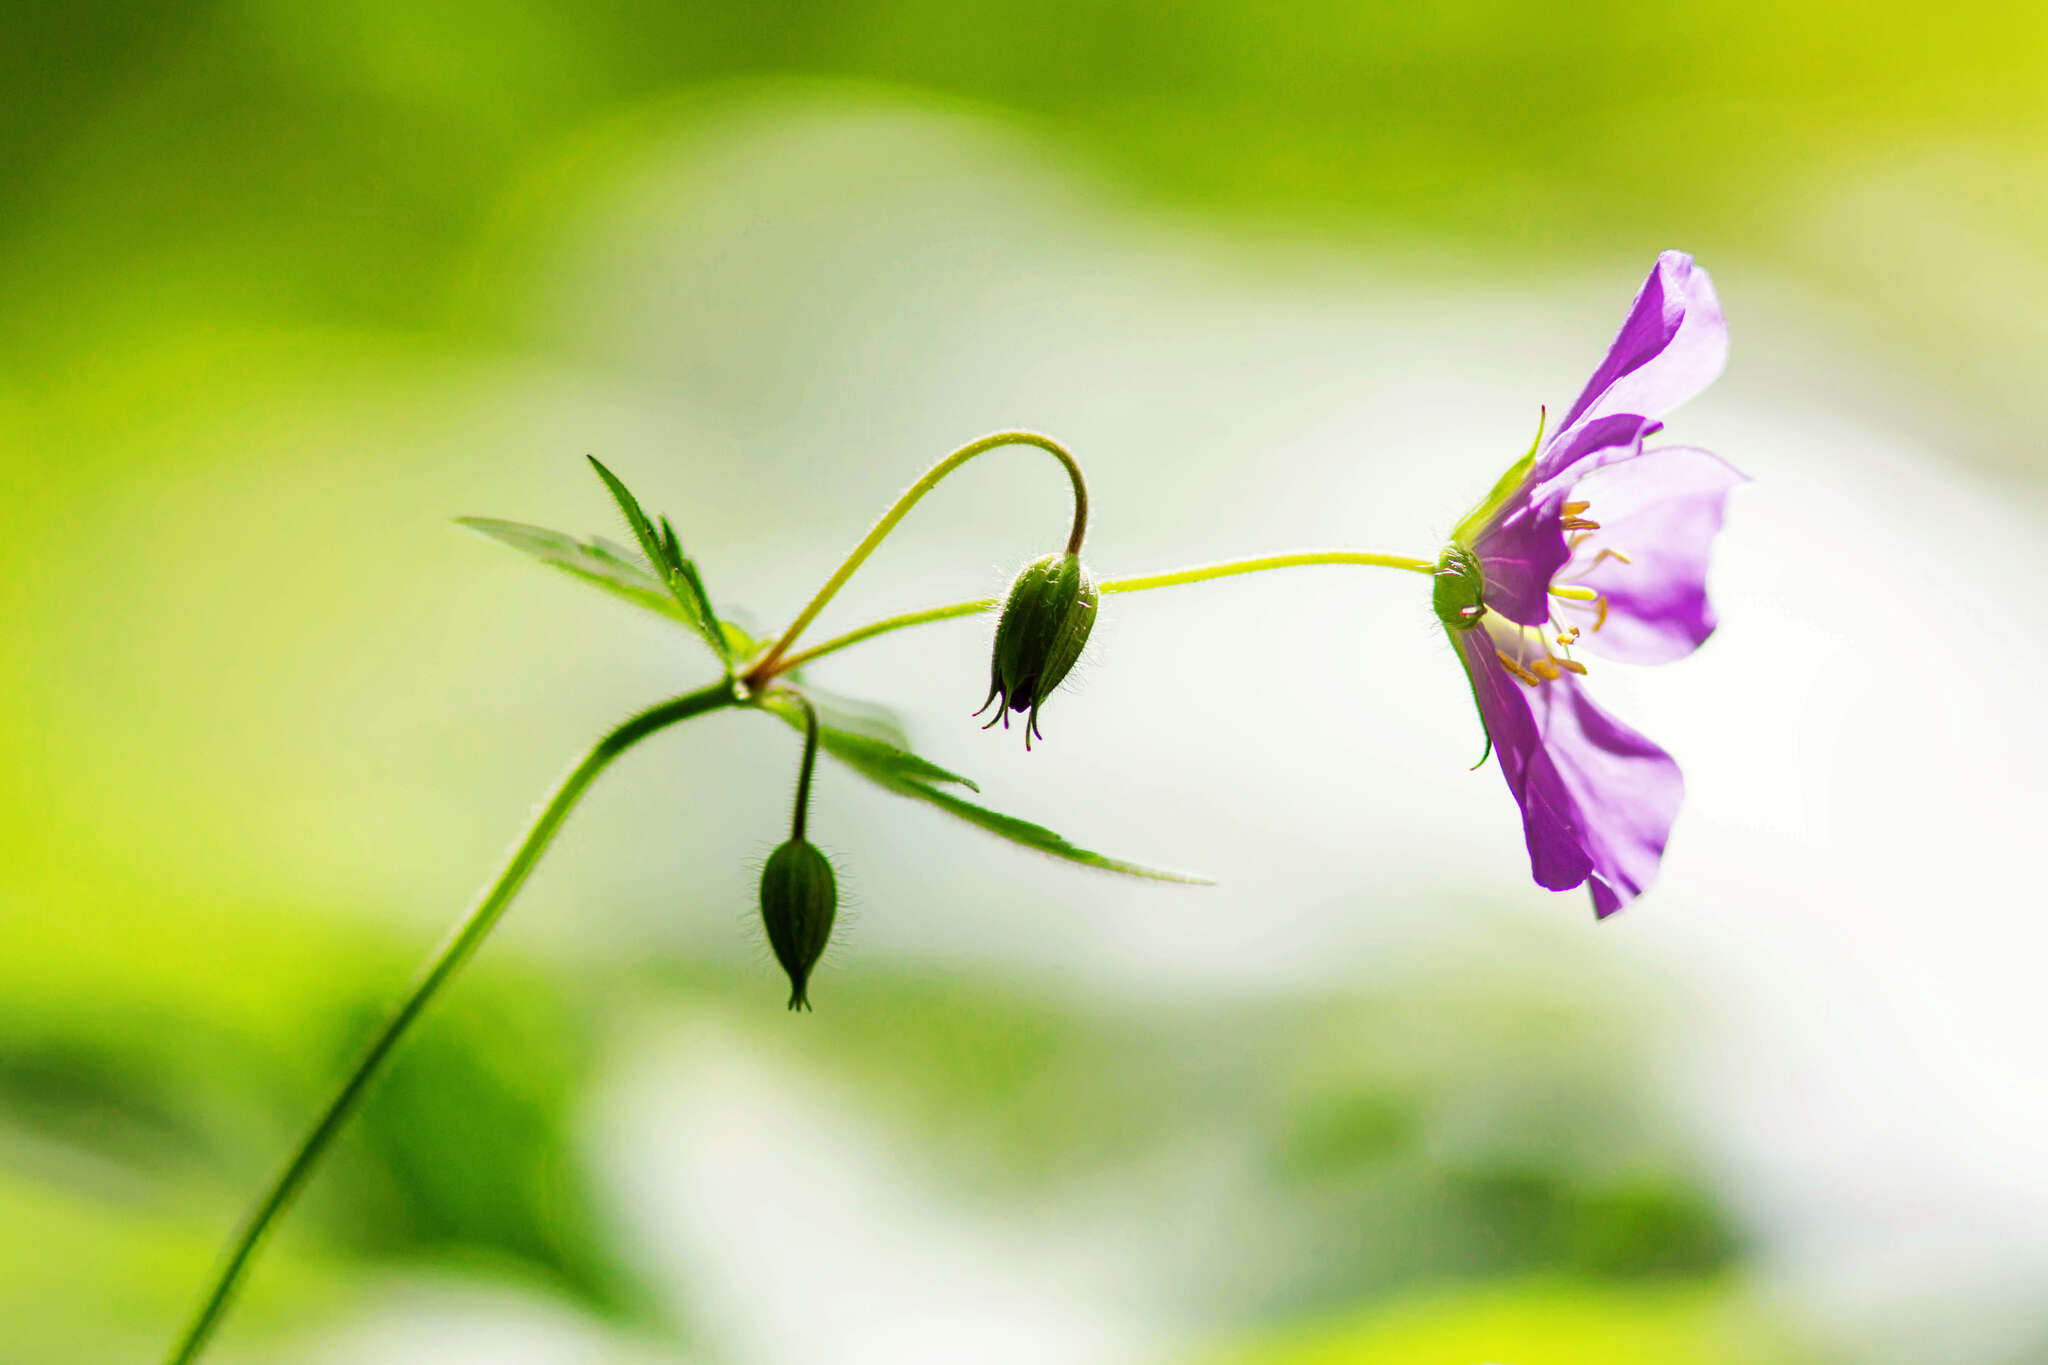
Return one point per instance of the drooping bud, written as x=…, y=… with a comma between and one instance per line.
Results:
x=1459, y=592
x=799, y=898
x=1046, y=619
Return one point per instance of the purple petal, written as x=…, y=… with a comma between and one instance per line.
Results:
x=1597, y=799
x=1524, y=547
x=1557, y=854
x=1625, y=790
x=1662, y=510
x=1575, y=451
x=1519, y=552
x=1673, y=344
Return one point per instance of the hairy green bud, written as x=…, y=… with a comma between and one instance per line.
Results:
x=1046, y=619
x=1459, y=594
x=799, y=897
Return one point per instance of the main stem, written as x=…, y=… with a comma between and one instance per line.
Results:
x=1138, y=583
x=767, y=666
x=460, y=946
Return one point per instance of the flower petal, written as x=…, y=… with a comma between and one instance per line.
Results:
x=1577, y=450
x=1658, y=515
x=1519, y=553
x=1597, y=799
x=1523, y=547
x=1673, y=344
x=1557, y=854
x=1624, y=789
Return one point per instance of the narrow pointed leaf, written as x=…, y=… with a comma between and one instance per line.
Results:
x=620, y=572
x=592, y=561
x=636, y=520
x=1037, y=836
x=897, y=770
x=875, y=751
x=677, y=572
x=855, y=716
x=685, y=568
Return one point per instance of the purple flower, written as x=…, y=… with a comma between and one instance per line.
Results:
x=1591, y=544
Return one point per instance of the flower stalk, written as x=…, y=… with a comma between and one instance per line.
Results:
x=460, y=946
x=799, y=891
x=1136, y=583
x=771, y=661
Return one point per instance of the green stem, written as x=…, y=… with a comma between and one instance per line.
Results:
x=803, y=772
x=883, y=627
x=771, y=662
x=456, y=951
x=1139, y=583
x=1146, y=582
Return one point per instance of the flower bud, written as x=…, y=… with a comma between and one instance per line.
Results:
x=798, y=900
x=1046, y=619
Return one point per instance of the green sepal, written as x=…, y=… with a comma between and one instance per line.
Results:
x=1503, y=489
x=895, y=769
x=1484, y=728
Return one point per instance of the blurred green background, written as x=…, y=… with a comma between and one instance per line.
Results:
x=283, y=288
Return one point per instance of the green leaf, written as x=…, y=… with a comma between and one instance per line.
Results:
x=593, y=561
x=740, y=643
x=636, y=520
x=867, y=739
x=681, y=566
x=851, y=714
x=675, y=569
x=896, y=769
x=666, y=580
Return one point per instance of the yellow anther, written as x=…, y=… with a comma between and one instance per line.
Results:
x=1545, y=668
x=1579, y=524
x=1573, y=592
x=1572, y=666
x=1600, y=619
x=1514, y=667
x=1607, y=554
x=1572, y=509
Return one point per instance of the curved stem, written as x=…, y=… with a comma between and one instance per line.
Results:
x=803, y=773
x=454, y=952
x=768, y=664
x=1139, y=583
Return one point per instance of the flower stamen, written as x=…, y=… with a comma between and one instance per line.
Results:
x=1579, y=524
x=1514, y=666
